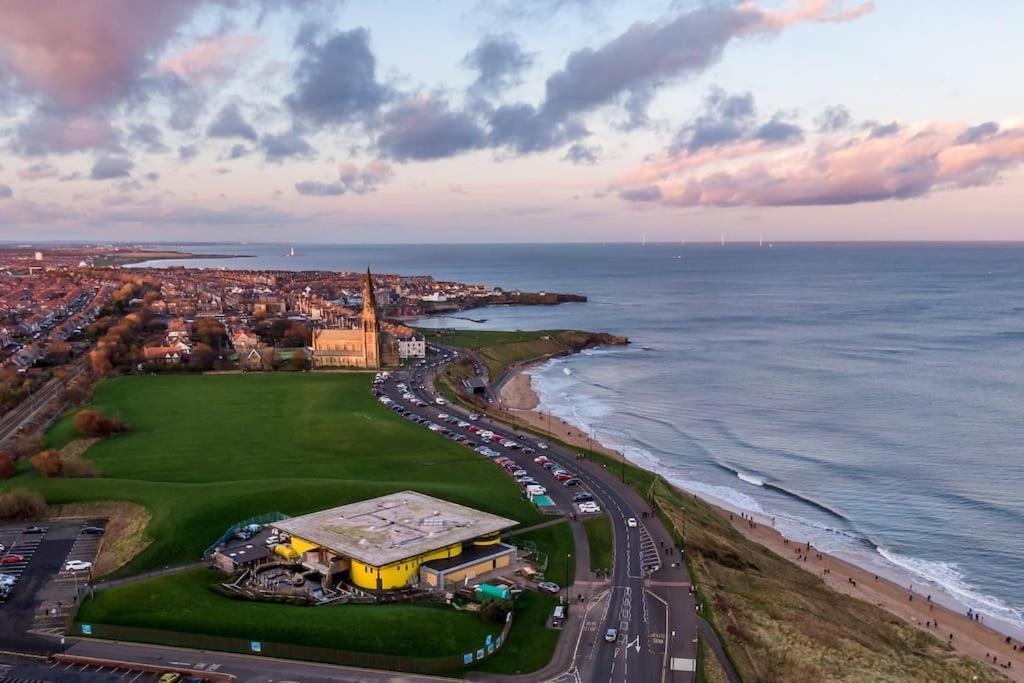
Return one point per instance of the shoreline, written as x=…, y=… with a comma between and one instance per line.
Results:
x=972, y=638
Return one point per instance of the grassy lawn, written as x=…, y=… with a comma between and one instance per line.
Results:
x=556, y=541
x=599, y=538
x=530, y=643
x=501, y=350
x=184, y=602
x=208, y=451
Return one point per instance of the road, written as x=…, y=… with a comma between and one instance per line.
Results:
x=647, y=595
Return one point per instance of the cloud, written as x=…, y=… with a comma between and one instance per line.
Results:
x=336, y=80
x=350, y=179
x=237, y=152
x=48, y=132
x=884, y=130
x=977, y=133
x=211, y=60
x=89, y=52
x=187, y=152
x=498, y=61
x=111, y=167
x=834, y=119
x=230, y=124
x=581, y=154
x=5, y=191
x=149, y=137
x=38, y=171
x=726, y=128
x=426, y=128
x=632, y=65
x=289, y=145
x=649, y=193
x=909, y=161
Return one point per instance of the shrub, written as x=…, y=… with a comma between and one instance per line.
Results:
x=22, y=504
x=47, y=463
x=6, y=466
x=496, y=611
x=76, y=467
x=93, y=423
x=26, y=445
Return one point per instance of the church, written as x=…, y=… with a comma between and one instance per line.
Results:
x=361, y=347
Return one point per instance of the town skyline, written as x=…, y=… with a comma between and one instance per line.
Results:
x=582, y=121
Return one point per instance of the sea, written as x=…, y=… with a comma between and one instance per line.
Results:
x=868, y=397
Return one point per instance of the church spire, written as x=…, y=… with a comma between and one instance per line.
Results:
x=369, y=298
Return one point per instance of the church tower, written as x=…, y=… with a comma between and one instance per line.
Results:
x=371, y=326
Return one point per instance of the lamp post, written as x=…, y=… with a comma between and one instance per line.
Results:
x=568, y=558
x=623, y=462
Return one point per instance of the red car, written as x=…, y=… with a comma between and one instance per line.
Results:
x=12, y=559
x=565, y=476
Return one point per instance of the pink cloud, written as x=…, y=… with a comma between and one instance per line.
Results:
x=211, y=59
x=910, y=163
x=85, y=52
x=818, y=11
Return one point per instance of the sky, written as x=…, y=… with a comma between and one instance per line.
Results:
x=511, y=120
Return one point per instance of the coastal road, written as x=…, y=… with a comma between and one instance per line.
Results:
x=646, y=597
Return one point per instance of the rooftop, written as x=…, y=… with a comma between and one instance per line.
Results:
x=391, y=528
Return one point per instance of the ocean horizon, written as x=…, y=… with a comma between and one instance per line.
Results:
x=866, y=395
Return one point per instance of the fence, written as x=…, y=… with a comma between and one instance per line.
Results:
x=264, y=518
x=367, y=660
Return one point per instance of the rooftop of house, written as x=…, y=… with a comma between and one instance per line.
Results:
x=391, y=528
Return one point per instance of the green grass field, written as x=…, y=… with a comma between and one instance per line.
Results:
x=599, y=538
x=557, y=543
x=401, y=629
x=208, y=451
x=501, y=350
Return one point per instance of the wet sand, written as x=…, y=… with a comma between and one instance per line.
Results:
x=969, y=637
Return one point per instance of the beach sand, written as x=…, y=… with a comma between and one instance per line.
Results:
x=969, y=637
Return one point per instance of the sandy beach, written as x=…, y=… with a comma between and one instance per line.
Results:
x=968, y=636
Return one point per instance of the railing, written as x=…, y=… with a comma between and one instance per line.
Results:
x=264, y=518
x=367, y=660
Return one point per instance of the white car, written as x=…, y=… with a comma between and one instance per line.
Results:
x=631, y=522
x=439, y=401
x=474, y=416
x=589, y=508
x=77, y=566
x=541, y=445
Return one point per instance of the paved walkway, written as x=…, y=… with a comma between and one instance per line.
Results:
x=104, y=584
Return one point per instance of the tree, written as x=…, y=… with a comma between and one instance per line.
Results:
x=299, y=361
x=22, y=504
x=210, y=332
x=6, y=466
x=94, y=424
x=47, y=464
x=58, y=353
x=26, y=445
x=99, y=361
x=202, y=357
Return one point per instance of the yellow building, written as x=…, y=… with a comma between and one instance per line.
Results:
x=399, y=540
x=361, y=347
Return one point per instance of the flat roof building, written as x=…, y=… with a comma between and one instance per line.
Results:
x=392, y=541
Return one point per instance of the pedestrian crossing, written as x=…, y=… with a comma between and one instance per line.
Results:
x=650, y=558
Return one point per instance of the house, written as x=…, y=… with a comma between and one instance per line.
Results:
x=412, y=348
x=399, y=540
x=178, y=329
x=161, y=355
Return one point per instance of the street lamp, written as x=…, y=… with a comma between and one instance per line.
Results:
x=568, y=558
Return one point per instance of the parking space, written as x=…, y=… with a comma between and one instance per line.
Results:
x=55, y=604
x=91, y=673
x=40, y=595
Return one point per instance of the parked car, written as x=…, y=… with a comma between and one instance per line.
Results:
x=170, y=677
x=541, y=445
x=93, y=531
x=541, y=459
x=571, y=482
x=439, y=401
x=582, y=497
x=474, y=416
x=77, y=566
x=35, y=530
x=12, y=559
x=549, y=586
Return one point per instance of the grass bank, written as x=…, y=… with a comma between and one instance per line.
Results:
x=207, y=451
x=599, y=538
x=501, y=350
x=556, y=542
x=185, y=603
